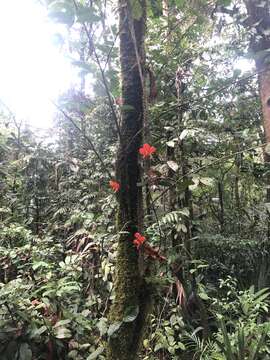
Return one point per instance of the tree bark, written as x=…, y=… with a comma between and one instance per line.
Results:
x=259, y=18
x=131, y=293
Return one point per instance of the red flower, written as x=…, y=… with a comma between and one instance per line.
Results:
x=147, y=150
x=35, y=302
x=139, y=240
x=119, y=101
x=114, y=185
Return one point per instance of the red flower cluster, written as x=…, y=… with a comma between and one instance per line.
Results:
x=147, y=150
x=139, y=240
x=148, y=249
x=114, y=185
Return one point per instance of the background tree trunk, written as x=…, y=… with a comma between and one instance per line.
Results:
x=259, y=18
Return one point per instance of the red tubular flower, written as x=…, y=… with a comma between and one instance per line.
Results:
x=147, y=150
x=139, y=240
x=114, y=185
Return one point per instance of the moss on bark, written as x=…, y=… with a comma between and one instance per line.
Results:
x=131, y=291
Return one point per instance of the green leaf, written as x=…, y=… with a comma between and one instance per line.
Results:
x=62, y=332
x=158, y=347
x=173, y=165
x=38, y=332
x=114, y=327
x=203, y=296
x=184, y=211
x=183, y=134
x=40, y=264
x=170, y=143
x=183, y=228
x=241, y=343
x=96, y=353
x=62, y=322
x=227, y=344
x=73, y=354
x=206, y=181
x=131, y=314
x=181, y=346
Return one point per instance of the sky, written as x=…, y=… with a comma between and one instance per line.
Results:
x=33, y=70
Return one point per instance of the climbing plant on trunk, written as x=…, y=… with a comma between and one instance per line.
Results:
x=129, y=311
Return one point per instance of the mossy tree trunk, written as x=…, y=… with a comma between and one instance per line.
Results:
x=131, y=294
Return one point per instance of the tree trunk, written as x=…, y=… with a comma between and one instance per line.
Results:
x=221, y=205
x=131, y=293
x=259, y=18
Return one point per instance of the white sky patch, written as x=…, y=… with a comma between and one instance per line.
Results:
x=32, y=69
x=244, y=65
